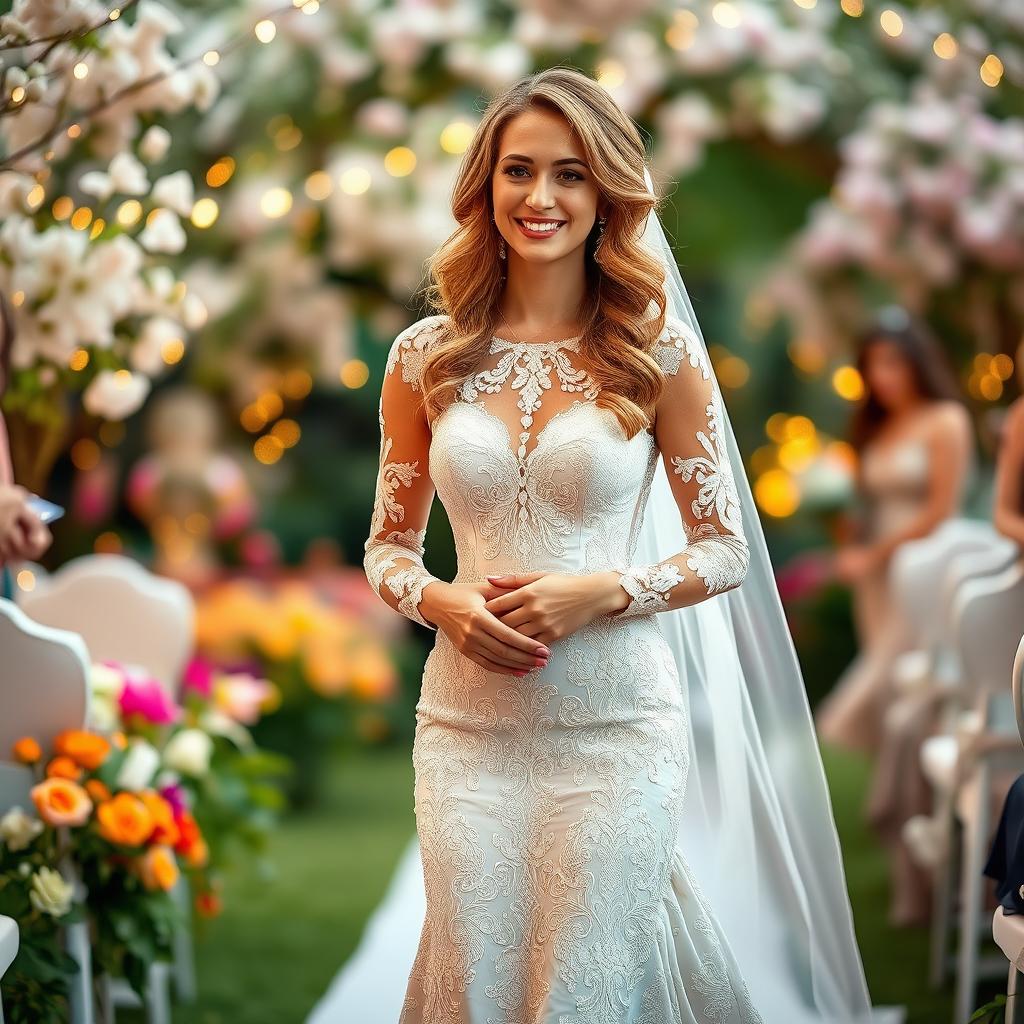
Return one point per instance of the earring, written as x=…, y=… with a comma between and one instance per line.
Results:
x=501, y=241
x=600, y=234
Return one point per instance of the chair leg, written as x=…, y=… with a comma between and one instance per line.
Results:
x=158, y=1004
x=184, y=954
x=1015, y=997
x=972, y=895
x=76, y=943
x=944, y=897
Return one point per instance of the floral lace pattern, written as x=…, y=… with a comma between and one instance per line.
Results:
x=548, y=807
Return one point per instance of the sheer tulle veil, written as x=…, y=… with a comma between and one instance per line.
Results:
x=758, y=831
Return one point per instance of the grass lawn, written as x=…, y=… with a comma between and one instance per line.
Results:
x=272, y=953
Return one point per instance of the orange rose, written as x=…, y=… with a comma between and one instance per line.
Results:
x=61, y=802
x=125, y=819
x=209, y=903
x=198, y=853
x=164, y=828
x=188, y=832
x=27, y=750
x=119, y=740
x=86, y=748
x=64, y=768
x=157, y=867
x=97, y=790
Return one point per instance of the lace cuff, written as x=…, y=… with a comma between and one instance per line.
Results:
x=648, y=587
x=406, y=583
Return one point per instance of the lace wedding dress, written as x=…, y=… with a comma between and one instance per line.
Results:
x=547, y=806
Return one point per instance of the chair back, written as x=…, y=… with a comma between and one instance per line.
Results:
x=919, y=567
x=124, y=612
x=44, y=680
x=987, y=616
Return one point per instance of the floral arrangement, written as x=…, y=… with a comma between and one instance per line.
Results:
x=333, y=672
x=152, y=791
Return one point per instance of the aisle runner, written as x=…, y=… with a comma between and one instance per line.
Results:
x=370, y=987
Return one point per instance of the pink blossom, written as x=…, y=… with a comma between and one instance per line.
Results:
x=198, y=676
x=147, y=698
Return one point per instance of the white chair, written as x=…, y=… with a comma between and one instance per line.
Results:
x=8, y=949
x=988, y=613
x=940, y=753
x=44, y=689
x=124, y=612
x=127, y=614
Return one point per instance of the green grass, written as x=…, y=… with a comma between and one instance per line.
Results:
x=277, y=946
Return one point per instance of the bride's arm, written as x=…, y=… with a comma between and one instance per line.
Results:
x=393, y=558
x=687, y=432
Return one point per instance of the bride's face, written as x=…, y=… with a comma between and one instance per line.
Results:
x=541, y=175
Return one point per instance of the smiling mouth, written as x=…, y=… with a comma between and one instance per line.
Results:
x=543, y=232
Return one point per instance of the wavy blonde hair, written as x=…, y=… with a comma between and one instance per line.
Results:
x=465, y=277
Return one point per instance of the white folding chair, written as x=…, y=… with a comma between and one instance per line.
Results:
x=44, y=689
x=1009, y=931
x=940, y=752
x=124, y=612
x=987, y=614
x=127, y=614
x=8, y=950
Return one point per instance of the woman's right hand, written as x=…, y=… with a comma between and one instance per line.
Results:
x=22, y=535
x=459, y=610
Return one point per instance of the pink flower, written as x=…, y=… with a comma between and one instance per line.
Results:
x=198, y=676
x=148, y=699
x=242, y=696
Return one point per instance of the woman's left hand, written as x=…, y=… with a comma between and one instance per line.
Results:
x=856, y=561
x=546, y=606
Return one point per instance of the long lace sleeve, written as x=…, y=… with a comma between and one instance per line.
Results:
x=687, y=432
x=393, y=559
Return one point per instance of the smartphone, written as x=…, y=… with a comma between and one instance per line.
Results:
x=46, y=510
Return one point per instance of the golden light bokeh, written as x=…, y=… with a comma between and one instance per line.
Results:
x=355, y=181
x=62, y=207
x=455, y=137
x=220, y=172
x=848, y=383
x=268, y=449
x=399, y=161
x=79, y=359
x=354, y=373
x=318, y=186
x=991, y=70
x=891, y=22
x=287, y=432
x=945, y=46
x=204, y=212
x=265, y=30
x=297, y=383
x=129, y=212
x=275, y=202
x=726, y=14
x=26, y=580
x=776, y=493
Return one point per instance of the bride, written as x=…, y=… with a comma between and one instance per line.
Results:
x=621, y=810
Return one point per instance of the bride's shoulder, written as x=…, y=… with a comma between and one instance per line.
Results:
x=411, y=346
x=678, y=341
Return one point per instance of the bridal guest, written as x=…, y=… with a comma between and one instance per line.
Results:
x=22, y=536
x=914, y=441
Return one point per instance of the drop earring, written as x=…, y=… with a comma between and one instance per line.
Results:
x=502, y=252
x=600, y=234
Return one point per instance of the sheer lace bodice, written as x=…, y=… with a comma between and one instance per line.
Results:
x=535, y=475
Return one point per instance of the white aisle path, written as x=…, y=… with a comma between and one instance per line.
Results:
x=370, y=987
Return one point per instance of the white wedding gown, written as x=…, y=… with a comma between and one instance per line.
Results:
x=548, y=806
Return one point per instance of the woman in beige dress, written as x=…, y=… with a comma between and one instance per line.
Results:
x=915, y=442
